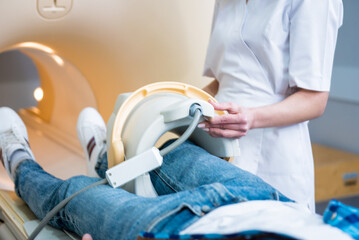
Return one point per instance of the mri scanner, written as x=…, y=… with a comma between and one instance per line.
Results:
x=86, y=52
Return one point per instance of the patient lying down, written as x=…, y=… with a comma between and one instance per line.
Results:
x=200, y=195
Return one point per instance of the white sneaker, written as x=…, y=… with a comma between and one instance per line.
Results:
x=91, y=131
x=13, y=137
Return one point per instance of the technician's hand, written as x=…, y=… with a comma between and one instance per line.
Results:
x=235, y=124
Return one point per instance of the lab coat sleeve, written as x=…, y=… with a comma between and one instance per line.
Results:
x=314, y=28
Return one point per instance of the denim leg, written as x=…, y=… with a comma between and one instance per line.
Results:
x=108, y=213
x=190, y=166
x=98, y=211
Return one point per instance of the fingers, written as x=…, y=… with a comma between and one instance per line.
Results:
x=229, y=107
x=87, y=237
x=225, y=130
x=226, y=133
x=236, y=114
x=235, y=124
x=236, y=127
x=229, y=119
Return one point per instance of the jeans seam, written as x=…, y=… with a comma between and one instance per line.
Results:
x=170, y=213
x=162, y=217
x=226, y=193
x=74, y=223
x=166, y=181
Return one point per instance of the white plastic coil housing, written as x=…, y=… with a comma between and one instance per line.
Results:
x=134, y=167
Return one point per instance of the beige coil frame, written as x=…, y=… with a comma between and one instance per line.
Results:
x=116, y=152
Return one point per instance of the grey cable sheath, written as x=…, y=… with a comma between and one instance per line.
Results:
x=59, y=206
x=163, y=152
x=185, y=135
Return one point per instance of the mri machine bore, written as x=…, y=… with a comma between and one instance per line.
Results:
x=85, y=53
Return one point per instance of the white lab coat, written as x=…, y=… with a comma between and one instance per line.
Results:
x=260, y=52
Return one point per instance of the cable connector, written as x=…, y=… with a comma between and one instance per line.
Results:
x=194, y=107
x=181, y=110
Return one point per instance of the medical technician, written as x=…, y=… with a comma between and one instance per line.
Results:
x=272, y=64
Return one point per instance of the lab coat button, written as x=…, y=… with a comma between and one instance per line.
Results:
x=206, y=209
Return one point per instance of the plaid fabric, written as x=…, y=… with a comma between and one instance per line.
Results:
x=343, y=217
x=246, y=235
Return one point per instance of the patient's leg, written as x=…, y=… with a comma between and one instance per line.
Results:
x=186, y=167
x=190, y=166
x=108, y=213
x=104, y=212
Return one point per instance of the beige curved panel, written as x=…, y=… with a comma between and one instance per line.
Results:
x=118, y=46
x=66, y=90
x=88, y=51
x=52, y=124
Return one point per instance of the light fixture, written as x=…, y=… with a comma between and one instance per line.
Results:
x=38, y=94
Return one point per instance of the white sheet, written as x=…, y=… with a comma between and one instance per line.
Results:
x=287, y=218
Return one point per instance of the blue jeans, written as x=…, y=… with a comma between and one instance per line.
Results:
x=191, y=183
